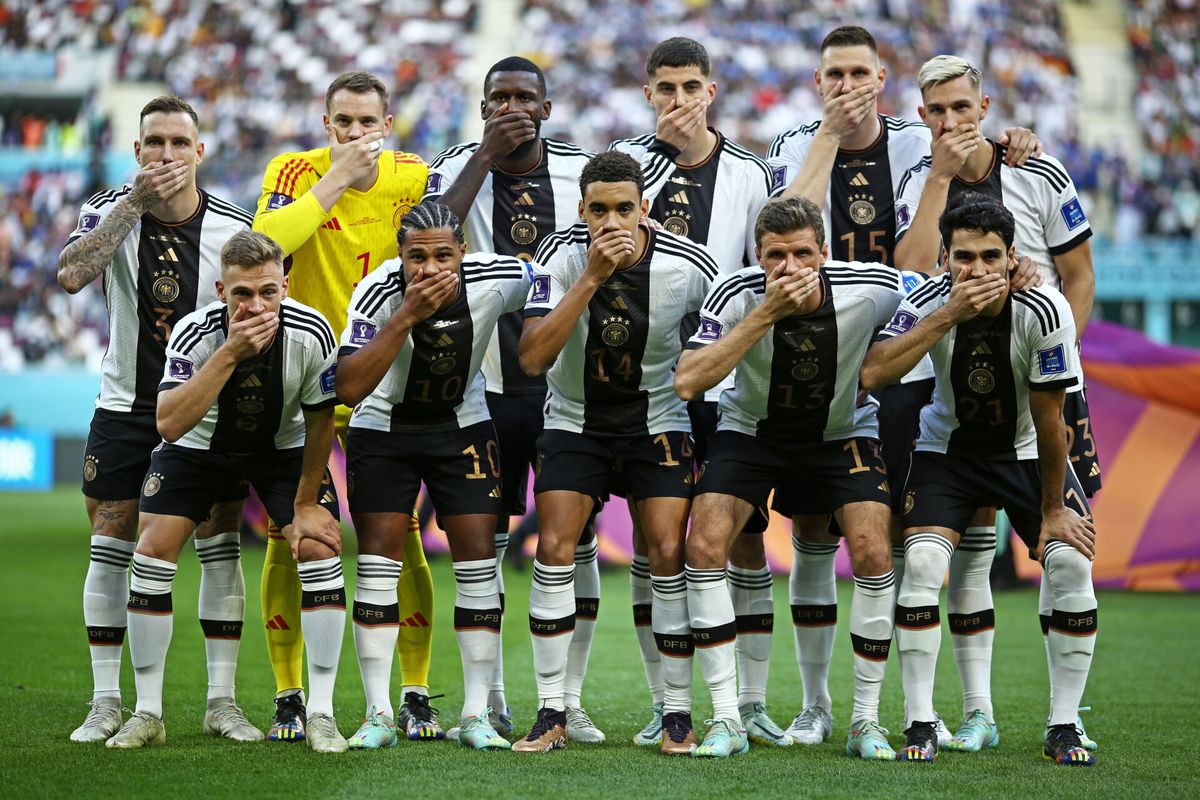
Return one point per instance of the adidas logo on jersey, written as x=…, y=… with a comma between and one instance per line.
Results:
x=859, y=180
x=1095, y=470
x=250, y=383
x=680, y=197
x=444, y=341
x=807, y=346
x=619, y=304
x=495, y=492
x=524, y=199
x=169, y=255
x=332, y=224
x=981, y=349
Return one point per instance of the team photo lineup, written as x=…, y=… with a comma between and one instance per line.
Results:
x=871, y=329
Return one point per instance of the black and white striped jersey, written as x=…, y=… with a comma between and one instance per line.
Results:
x=161, y=272
x=435, y=383
x=615, y=376
x=1040, y=194
x=986, y=367
x=799, y=383
x=714, y=203
x=262, y=405
x=512, y=215
x=860, y=210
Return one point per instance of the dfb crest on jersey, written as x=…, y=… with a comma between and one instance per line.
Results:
x=677, y=222
x=524, y=229
x=981, y=380
x=166, y=285
x=398, y=215
x=615, y=332
x=805, y=370
x=862, y=210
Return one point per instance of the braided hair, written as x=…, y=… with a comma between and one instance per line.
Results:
x=429, y=215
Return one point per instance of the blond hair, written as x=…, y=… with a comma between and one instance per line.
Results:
x=940, y=69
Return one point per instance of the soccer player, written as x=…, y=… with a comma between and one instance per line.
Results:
x=850, y=163
x=247, y=393
x=156, y=245
x=335, y=212
x=1051, y=227
x=795, y=329
x=512, y=189
x=410, y=362
x=602, y=321
x=709, y=189
x=993, y=436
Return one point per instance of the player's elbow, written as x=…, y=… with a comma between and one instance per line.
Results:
x=870, y=377
x=66, y=277
x=686, y=385
x=349, y=392
x=169, y=430
x=532, y=364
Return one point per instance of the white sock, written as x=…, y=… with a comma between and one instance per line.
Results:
x=871, y=610
x=323, y=623
x=1045, y=609
x=477, y=628
x=105, y=597
x=376, y=626
x=812, y=590
x=919, y=623
x=972, y=617
x=673, y=634
x=587, y=606
x=150, y=622
x=714, y=630
x=1072, y=635
x=642, y=596
x=754, y=608
x=551, y=625
x=222, y=608
x=496, y=698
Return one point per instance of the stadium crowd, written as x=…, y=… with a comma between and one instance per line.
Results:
x=226, y=59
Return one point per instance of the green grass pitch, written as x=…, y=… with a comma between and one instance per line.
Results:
x=1142, y=689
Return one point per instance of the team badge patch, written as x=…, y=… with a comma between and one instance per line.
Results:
x=153, y=484
x=910, y=500
x=541, y=289
x=1073, y=214
x=90, y=467
x=87, y=223
x=180, y=369
x=362, y=331
x=277, y=200
x=434, y=184
x=328, y=379
x=1052, y=361
x=777, y=178
x=902, y=216
x=911, y=280
x=710, y=330
x=903, y=321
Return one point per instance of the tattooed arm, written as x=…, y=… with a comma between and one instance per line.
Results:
x=83, y=260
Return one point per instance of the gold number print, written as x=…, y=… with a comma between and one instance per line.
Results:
x=668, y=457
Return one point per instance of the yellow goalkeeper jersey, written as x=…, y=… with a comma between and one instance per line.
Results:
x=330, y=253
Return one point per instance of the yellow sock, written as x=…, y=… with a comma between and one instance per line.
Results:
x=281, y=612
x=415, y=591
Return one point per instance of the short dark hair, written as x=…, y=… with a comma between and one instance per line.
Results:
x=611, y=166
x=169, y=104
x=517, y=64
x=977, y=212
x=678, y=51
x=248, y=249
x=429, y=215
x=787, y=214
x=359, y=83
x=849, y=36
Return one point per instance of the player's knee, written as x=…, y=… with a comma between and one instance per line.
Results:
x=1067, y=570
x=704, y=551
x=312, y=550
x=666, y=556
x=115, y=519
x=927, y=562
x=874, y=558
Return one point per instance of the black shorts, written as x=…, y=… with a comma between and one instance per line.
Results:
x=185, y=482
x=809, y=478
x=1085, y=460
x=634, y=467
x=899, y=424
x=704, y=416
x=944, y=491
x=518, y=420
x=117, y=455
x=460, y=470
